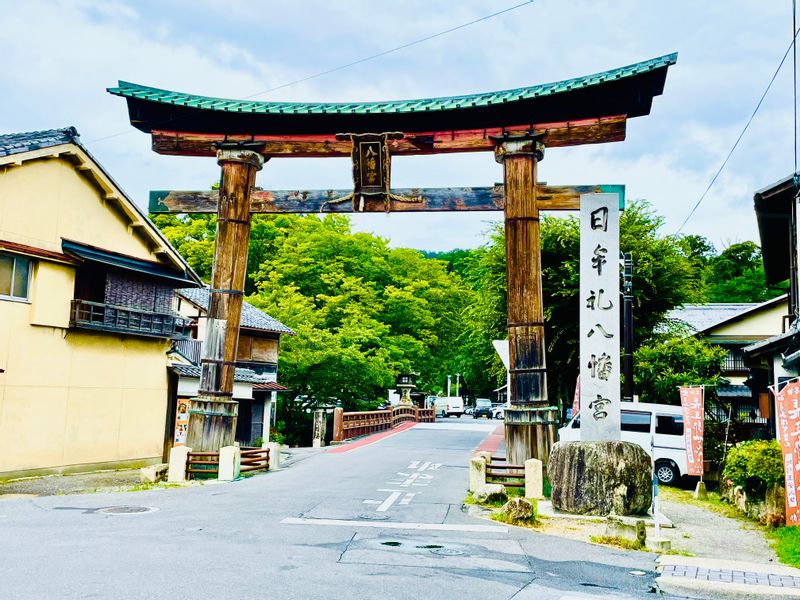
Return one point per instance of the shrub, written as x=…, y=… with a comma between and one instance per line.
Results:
x=755, y=465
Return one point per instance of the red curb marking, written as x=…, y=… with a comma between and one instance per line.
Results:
x=492, y=441
x=371, y=439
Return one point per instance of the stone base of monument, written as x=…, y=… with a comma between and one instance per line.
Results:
x=600, y=478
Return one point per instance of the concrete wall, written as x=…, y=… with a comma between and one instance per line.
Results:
x=71, y=397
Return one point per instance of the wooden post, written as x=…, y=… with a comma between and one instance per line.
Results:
x=208, y=431
x=530, y=421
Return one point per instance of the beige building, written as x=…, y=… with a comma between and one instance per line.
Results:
x=736, y=326
x=89, y=316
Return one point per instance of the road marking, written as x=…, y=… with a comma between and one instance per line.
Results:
x=390, y=525
x=388, y=502
x=407, y=498
x=372, y=501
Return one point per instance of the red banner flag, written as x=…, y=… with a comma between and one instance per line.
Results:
x=576, y=401
x=787, y=404
x=692, y=405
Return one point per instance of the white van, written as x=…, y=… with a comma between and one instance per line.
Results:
x=447, y=406
x=659, y=426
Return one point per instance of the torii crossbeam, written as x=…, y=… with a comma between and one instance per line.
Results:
x=515, y=124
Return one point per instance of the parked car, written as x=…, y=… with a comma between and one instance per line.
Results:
x=499, y=412
x=483, y=408
x=447, y=406
x=658, y=428
x=469, y=410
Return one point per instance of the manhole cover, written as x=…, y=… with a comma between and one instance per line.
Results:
x=447, y=551
x=373, y=517
x=127, y=510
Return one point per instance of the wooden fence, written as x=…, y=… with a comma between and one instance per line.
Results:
x=355, y=424
x=254, y=459
x=499, y=471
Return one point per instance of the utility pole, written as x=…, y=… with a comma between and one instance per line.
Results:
x=627, y=327
x=458, y=381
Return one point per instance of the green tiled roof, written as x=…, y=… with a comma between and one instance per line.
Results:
x=132, y=90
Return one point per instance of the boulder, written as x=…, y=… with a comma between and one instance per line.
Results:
x=519, y=509
x=490, y=492
x=600, y=478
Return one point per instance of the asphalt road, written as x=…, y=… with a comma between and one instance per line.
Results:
x=380, y=521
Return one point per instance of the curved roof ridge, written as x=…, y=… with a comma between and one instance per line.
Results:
x=162, y=96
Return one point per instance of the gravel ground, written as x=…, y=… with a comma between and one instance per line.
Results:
x=707, y=533
x=82, y=483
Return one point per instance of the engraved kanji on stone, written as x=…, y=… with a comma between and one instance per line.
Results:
x=598, y=406
x=599, y=328
x=598, y=219
x=599, y=258
x=600, y=366
x=595, y=300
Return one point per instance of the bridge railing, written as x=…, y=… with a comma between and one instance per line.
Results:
x=347, y=425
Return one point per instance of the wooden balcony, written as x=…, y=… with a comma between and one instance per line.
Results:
x=125, y=320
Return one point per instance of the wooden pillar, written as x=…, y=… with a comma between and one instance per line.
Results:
x=212, y=416
x=530, y=421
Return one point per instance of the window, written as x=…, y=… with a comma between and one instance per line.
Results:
x=14, y=276
x=638, y=422
x=669, y=424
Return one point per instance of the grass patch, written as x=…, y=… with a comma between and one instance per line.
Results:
x=617, y=542
x=470, y=499
x=533, y=522
x=786, y=543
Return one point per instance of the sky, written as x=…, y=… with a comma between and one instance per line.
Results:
x=59, y=58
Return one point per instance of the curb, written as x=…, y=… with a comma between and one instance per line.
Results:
x=697, y=577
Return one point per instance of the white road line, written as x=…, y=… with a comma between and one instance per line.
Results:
x=413, y=464
x=407, y=498
x=425, y=466
x=372, y=501
x=388, y=502
x=392, y=525
x=385, y=490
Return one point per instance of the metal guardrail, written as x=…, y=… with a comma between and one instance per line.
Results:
x=109, y=317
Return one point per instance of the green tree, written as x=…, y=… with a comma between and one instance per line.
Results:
x=662, y=365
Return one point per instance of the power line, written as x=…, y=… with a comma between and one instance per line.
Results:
x=356, y=62
x=741, y=135
x=391, y=50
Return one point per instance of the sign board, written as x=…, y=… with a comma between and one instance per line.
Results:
x=692, y=405
x=181, y=422
x=787, y=409
x=599, y=318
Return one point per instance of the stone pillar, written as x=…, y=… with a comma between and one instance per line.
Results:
x=178, y=456
x=529, y=421
x=318, y=438
x=269, y=405
x=534, y=480
x=274, y=455
x=477, y=473
x=338, y=424
x=239, y=167
x=230, y=462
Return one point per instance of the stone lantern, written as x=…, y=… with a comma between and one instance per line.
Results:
x=405, y=383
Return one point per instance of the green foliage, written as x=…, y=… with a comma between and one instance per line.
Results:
x=662, y=281
x=660, y=366
x=617, y=542
x=786, y=543
x=755, y=465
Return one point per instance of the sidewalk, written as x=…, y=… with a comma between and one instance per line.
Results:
x=697, y=577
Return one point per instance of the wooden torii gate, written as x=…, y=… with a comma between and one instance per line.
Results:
x=515, y=124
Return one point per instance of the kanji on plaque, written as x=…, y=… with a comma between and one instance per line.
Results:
x=787, y=404
x=692, y=405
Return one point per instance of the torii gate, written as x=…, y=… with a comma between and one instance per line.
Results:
x=515, y=124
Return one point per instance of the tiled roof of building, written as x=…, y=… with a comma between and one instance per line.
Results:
x=701, y=317
x=15, y=143
x=242, y=375
x=270, y=386
x=252, y=318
